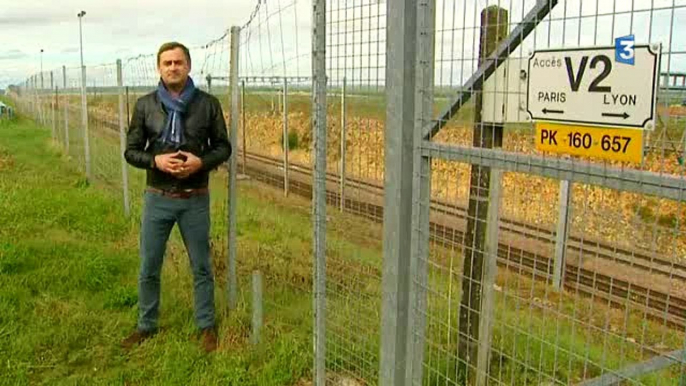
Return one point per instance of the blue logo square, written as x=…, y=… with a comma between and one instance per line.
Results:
x=625, y=52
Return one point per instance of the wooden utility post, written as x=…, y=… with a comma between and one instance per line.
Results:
x=494, y=28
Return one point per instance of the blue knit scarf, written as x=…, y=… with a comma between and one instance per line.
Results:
x=176, y=108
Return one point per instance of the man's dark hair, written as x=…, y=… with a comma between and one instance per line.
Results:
x=171, y=46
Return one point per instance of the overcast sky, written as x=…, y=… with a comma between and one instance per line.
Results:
x=278, y=40
x=111, y=29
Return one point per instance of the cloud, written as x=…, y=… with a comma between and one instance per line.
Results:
x=70, y=50
x=13, y=55
x=19, y=20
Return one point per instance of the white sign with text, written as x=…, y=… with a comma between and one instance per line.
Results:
x=595, y=86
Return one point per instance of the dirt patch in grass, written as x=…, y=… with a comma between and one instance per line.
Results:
x=6, y=160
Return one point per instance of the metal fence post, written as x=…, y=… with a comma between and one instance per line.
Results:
x=256, y=307
x=36, y=97
x=489, y=275
x=398, y=178
x=39, y=102
x=494, y=28
x=128, y=113
x=343, y=143
x=84, y=124
x=36, y=114
x=122, y=139
x=562, y=234
x=244, y=124
x=279, y=101
x=232, y=282
x=286, y=143
x=53, y=103
x=27, y=96
x=36, y=91
x=33, y=97
x=56, y=113
x=319, y=188
x=66, y=108
x=41, y=108
x=421, y=185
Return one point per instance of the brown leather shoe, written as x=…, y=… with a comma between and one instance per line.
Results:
x=136, y=338
x=209, y=339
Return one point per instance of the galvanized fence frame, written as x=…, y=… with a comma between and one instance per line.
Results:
x=410, y=152
x=395, y=357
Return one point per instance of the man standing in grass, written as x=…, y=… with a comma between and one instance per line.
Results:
x=178, y=134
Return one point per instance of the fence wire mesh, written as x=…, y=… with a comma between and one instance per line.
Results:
x=274, y=148
x=355, y=66
x=102, y=96
x=493, y=312
x=72, y=101
x=540, y=269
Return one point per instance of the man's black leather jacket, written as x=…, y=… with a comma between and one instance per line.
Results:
x=204, y=135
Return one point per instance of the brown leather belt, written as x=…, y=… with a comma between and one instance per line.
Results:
x=186, y=193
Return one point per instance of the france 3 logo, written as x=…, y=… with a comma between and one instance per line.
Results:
x=624, y=50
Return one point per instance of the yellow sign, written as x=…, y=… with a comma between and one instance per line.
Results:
x=605, y=143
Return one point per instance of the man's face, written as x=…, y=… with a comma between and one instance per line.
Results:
x=174, y=68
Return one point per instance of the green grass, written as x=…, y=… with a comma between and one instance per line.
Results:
x=68, y=266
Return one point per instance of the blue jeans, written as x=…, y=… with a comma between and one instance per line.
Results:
x=192, y=215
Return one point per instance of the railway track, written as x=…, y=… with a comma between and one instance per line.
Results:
x=657, y=305
x=585, y=246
